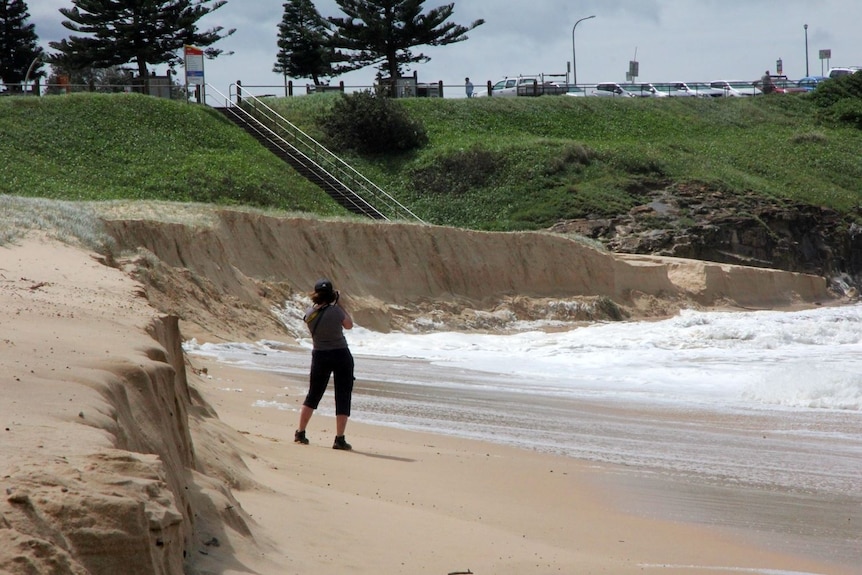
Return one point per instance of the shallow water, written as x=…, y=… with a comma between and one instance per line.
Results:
x=767, y=405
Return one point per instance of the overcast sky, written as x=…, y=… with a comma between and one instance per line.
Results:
x=673, y=40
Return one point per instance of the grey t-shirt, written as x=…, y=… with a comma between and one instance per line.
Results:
x=325, y=326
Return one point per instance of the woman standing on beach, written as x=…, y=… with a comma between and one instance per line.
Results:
x=327, y=321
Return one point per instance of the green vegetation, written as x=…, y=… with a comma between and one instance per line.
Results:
x=69, y=222
x=840, y=100
x=526, y=163
x=491, y=163
x=127, y=146
x=371, y=124
x=387, y=32
x=110, y=33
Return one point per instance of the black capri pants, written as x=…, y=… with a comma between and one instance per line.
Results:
x=323, y=364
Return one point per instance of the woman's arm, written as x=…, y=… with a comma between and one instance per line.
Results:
x=347, y=322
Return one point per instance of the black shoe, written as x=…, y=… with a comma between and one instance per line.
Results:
x=299, y=437
x=340, y=443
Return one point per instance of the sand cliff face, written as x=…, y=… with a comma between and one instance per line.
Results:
x=98, y=467
x=392, y=274
x=100, y=471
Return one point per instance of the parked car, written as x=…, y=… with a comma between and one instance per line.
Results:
x=526, y=86
x=784, y=85
x=726, y=88
x=777, y=84
x=735, y=89
x=679, y=90
x=505, y=87
x=809, y=83
x=646, y=90
x=838, y=72
x=576, y=91
x=708, y=91
x=747, y=88
x=611, y=90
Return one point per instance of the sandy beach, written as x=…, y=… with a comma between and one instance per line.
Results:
x=121, y=455
x=407, y=502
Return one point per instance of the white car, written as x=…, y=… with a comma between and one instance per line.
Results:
x=611, y=90
x=838, y=72
x=505, y=87
x=708, y=90
x=734, y=89
x=576, y=91
x=681, y=90
x=525, y=86
x=646, y=90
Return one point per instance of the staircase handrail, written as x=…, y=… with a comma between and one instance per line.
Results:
x=345, y=193
x=318, y=155
x=355, y=200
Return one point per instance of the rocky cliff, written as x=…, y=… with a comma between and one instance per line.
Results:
x=695, y=222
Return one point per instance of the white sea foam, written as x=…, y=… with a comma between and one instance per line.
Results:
x=807, y=360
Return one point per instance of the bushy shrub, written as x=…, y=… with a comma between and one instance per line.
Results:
x=840, y=99
x=834, y=90
x=847, y=111
x=459, y=172
x=571, y=156
x=370, y=124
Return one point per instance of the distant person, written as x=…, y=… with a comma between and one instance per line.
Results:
x=767, y=86
x=468, y=86
x=326, y=321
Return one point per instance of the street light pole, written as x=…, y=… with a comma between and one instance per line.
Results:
x=806, y=50
x=574, y=65
x=27, y=75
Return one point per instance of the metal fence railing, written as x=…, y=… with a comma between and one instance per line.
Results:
x=172, y=91
x=407, y=89
x=484, y=89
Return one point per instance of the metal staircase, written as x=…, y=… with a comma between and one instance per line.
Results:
x=315, y=162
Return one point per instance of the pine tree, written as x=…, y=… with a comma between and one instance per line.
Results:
x=382, y=32
x=144, y=32
x=303, y=43
x=19, y=49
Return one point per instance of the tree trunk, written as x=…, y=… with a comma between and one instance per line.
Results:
x=144, y=75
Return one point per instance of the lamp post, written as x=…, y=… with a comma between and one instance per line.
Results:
x=806, y=50
x=27, y=75
x=574, y=65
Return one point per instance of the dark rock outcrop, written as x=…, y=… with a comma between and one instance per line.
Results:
x=699, y=223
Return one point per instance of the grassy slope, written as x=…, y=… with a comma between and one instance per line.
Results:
x=554, y=158
x=518, y=163
x=102, y=147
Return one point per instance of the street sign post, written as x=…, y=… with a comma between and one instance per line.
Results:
x=825, y=55
x=194, y=64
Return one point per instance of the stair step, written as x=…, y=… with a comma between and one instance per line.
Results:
x=346, y=197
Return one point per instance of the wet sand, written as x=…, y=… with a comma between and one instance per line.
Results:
x=446, y=503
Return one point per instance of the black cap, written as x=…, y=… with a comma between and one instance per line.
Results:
x=323, y=286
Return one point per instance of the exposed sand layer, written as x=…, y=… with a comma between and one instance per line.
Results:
x=227, y=275
x=119, y=456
